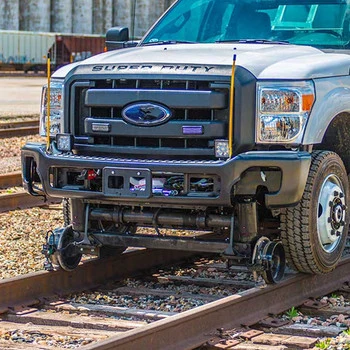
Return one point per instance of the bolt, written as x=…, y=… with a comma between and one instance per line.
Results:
x=220, y=330
x=332, y=232
x=336, y=193
x=341, y=195
x=338, y=233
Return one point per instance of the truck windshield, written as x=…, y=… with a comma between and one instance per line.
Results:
x=324, y=24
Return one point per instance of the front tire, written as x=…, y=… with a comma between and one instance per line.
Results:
x=314, y=232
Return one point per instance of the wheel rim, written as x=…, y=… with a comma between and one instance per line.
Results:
x=67, y=256
x=274, y=256
x=331, y=213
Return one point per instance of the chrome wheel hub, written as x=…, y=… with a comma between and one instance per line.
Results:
x=331, y=213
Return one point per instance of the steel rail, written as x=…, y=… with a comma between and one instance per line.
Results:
x=26, y=289
x=11, y=179
x=22, y=200
x=193, y=328
x=19, y=123
x=19, y=199
x=20, y=131
x=19, y=128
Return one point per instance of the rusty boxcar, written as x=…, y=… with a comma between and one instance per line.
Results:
x=21, y=50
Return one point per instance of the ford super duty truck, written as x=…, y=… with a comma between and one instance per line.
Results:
x=225, y=129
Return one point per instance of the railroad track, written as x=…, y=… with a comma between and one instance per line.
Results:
x=37, y=312
x=19, y=128
x=13, y=196
x=92, y=317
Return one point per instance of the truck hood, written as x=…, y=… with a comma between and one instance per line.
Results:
x=264, y=61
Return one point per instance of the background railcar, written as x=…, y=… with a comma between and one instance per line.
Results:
x=21, y=50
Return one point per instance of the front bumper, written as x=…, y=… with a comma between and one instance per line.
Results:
x=294, y=167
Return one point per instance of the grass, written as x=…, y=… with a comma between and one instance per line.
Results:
x=293, y=312
x=323, y=344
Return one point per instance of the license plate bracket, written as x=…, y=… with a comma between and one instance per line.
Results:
x=130, y=182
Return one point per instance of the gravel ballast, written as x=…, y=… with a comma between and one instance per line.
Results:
x=22, y=235
x=10, y=152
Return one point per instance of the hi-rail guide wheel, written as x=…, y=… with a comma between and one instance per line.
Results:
x=67, y=254
x=270, y=256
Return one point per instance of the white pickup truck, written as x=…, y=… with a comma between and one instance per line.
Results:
x=230, y=117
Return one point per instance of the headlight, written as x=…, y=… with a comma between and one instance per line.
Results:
x=283, y=110
x=56, y=108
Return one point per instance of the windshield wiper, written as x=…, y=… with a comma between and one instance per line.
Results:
x=167, y=42
x=254, y=41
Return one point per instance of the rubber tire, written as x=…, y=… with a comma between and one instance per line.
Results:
x=299, y=233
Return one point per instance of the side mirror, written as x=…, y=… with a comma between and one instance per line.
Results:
x=116, y=38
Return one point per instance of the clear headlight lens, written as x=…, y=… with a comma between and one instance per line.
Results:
x=283, y=110
x=56, y=108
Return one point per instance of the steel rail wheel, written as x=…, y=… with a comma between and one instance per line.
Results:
x=68, y=255
x=275, y=263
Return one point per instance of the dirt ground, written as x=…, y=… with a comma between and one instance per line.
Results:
x=20, y=96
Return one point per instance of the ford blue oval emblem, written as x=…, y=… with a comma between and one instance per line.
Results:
x=146, y=114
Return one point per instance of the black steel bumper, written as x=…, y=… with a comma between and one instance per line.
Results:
x=294, y=167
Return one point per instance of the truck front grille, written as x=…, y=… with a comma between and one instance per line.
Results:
x=195, y=105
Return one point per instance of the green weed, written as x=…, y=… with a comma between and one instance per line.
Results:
x=323, y=344
x=293, y=312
